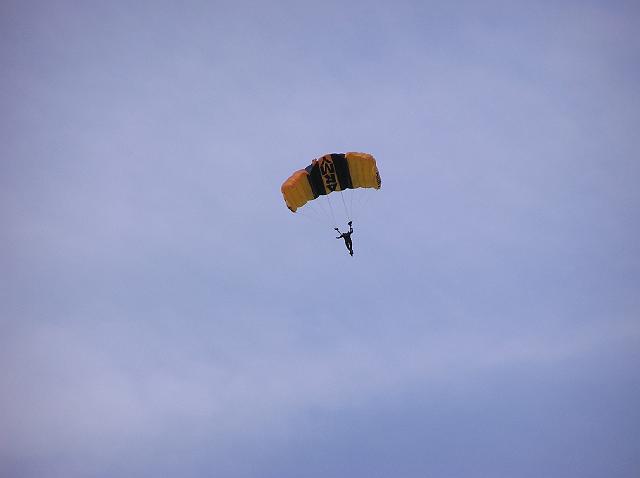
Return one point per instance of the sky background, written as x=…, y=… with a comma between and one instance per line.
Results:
x=162, y=313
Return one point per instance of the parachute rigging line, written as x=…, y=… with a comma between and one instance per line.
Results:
x=331, y=208
x=346, y=211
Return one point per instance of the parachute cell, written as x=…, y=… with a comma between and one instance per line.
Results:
x=330, y=173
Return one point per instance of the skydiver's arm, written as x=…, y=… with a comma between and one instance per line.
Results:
x=350, y=229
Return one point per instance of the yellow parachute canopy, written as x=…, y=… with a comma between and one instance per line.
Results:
x=330, y=173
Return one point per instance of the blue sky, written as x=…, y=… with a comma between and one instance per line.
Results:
x=164, y=314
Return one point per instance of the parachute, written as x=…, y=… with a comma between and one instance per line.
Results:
x=330, y=173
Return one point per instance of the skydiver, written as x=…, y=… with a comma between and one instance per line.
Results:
x=347, y=238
